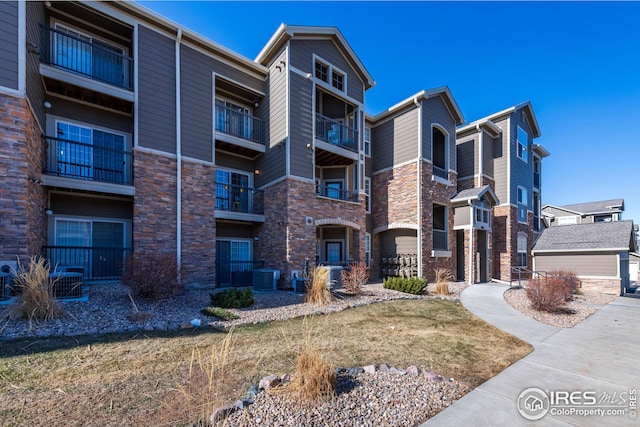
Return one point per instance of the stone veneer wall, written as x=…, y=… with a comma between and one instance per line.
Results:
x=395, y=195
x=154, y=204
x=439, y=193
x=198, y=224
x=505, y=229
x=23, y=228
x=286, y=239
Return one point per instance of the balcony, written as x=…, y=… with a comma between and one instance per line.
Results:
x=240, y=125
x=85, y=56
x=337, y=193
x=100, y=162
x=239, y=202
x=98, y=263
x=335, y=133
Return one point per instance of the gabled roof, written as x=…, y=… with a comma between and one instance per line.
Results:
x=592, y=208
x=475, y=193
x=286, y=32
x=535, y=128
x=442, y=91
x=606, y=236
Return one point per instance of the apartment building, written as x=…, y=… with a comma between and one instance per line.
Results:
x=499, y=151
x=123, y=131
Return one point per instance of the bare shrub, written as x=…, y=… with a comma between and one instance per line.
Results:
x=443, y=277
x=34, y=286
x=314, y=379
x=354, y=278
x=549, y=294
x=317, y=291
x=151, y=275
x=572, y=281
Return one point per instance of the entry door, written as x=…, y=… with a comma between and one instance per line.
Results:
x=223, y=262
x=106, y=257
x=483, y=249
x=334, y=252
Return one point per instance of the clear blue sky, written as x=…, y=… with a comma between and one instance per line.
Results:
x=577, y=62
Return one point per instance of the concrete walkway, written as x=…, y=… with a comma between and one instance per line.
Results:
x=598, y=355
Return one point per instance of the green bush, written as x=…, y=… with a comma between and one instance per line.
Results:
x=218, y=312
x=411, y=285
x=232, y=298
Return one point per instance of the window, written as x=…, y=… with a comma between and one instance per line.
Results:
x=88, y=153
x=523, y=143
x=483, y=216
x=337, y=80
x=334, y=189
x=330, y=75
x=522, y=250
x=367, y=249
x=440, y=235
x=86, y=55
x=232, y=191
x=440, y=149
x=567, y=220
x=367, y=192
x=522, y=204
x=233, y=119
x=322, y=71
x=367, y=141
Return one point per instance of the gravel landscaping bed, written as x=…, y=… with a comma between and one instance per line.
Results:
x=583, y=306
x=109, y=309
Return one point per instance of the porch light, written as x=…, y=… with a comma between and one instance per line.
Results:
x=48, y=212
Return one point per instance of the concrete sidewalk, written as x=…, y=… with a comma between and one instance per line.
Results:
x=598, y=355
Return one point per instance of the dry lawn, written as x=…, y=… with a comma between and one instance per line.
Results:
x=140, y=379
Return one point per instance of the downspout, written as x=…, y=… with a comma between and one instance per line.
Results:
x=480, y=159
x=471, y=244
x=419, y=186
x=178, y=161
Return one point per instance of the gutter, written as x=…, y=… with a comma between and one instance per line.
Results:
x=419, y=185
x=178, y=160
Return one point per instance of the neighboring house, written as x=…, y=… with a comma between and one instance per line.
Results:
x=599, y=253
x=499, y=151
x=126, y=131
x=583, y=213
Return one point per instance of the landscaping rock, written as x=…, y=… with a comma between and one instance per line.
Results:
x=397, y=371
x=370, y=369
x=355, y=371
x=286, y=378
x=413, y=370
x=222, y=412
x=384, y=368
x=253, y=391
x=268, y=382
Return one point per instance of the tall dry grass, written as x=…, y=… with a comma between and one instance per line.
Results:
x=443, y=277
x=317, y=291
x=35, y=292
x=208, y=383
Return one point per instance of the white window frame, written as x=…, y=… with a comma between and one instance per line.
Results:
x=522, y=237
x=484, y=214
x=331, y=70
x=367, y=249
x=523, y=204
x=367, y=141
x=92, y=128
x=523, y=146
x=367, y=192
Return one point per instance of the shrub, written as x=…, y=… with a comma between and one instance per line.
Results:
x=35, y=292
x=410, y=285
x=314, y=379
x=571, y=279
x=354, y=278
x=549, y=294
x=317, y=291
x=232, y=298
x=151, y=275
x=443, y=277
x=218, y=312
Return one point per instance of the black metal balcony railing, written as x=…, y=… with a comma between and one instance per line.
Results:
x=536, y=179
x=236, y=273
x=99, y=263
x=440, y=240
x=237, y=198
x=336, y=133
x=91, y=162
x=336, y=193
x=240, y=125
x=85, y=56
x=440, y=172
